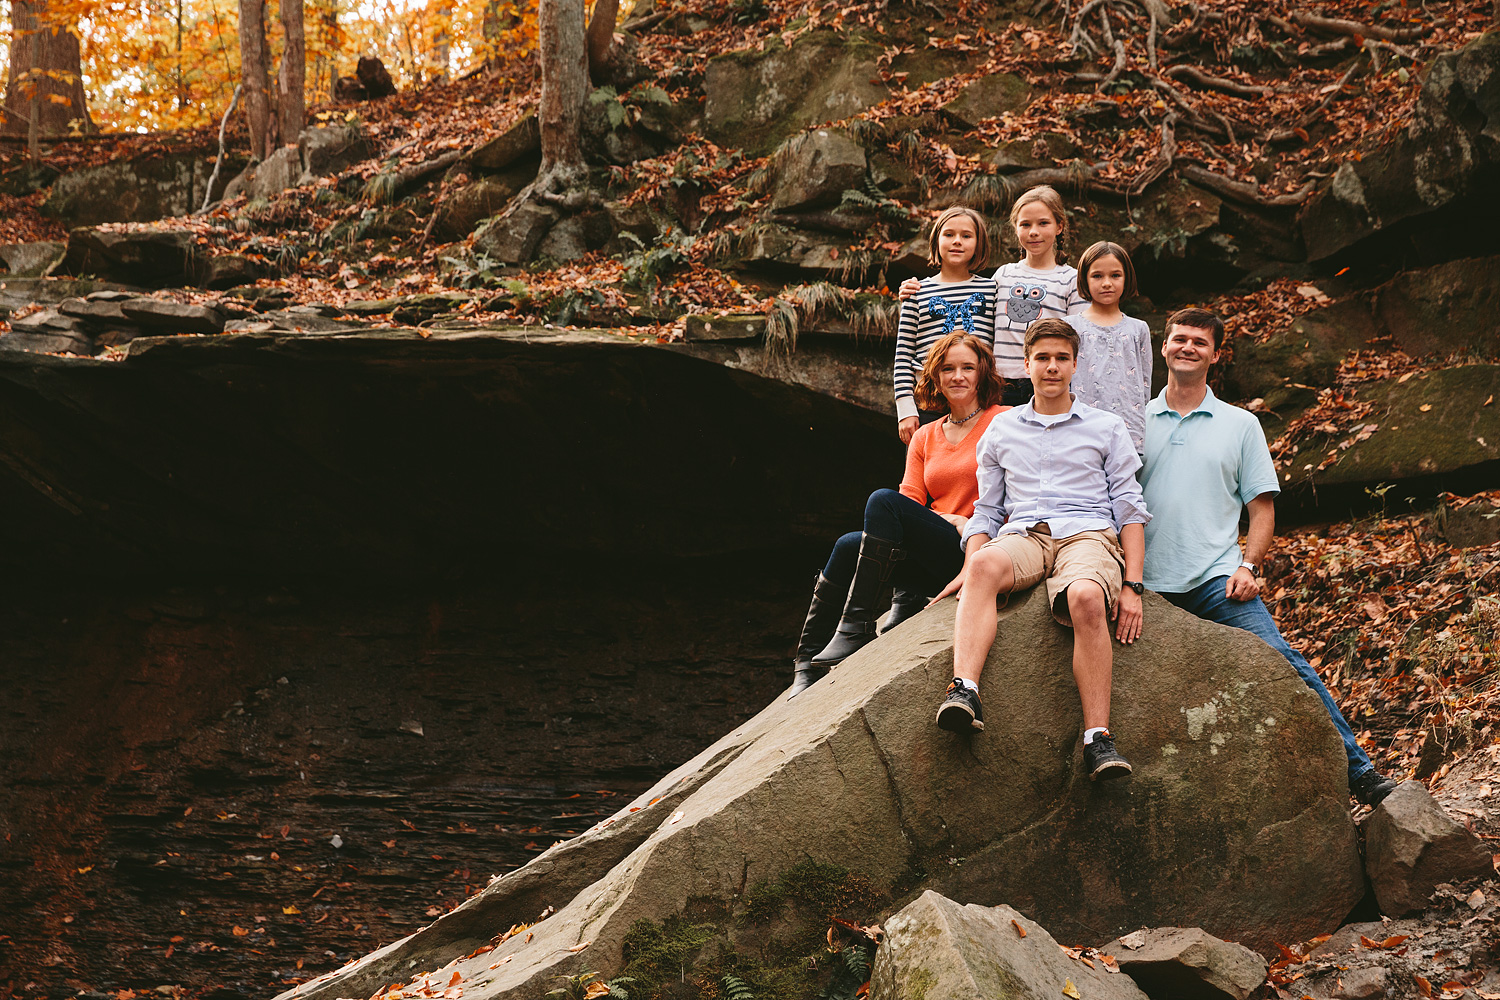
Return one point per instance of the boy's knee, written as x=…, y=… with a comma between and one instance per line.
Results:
x=990, y=568
x=1086, y=601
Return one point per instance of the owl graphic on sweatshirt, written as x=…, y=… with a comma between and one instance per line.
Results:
x=1025, y=303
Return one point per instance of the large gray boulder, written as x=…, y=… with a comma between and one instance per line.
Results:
x=753, y=99
x=1442, y=159
x=1236, y=819
x=1411, y=846
x=1448, y=309
x=1187, y=963
x=815, y=169
x=941, y=950
x=31, y=260
x=144, y=189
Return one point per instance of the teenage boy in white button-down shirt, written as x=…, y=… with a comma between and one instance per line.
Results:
x=1058, y=501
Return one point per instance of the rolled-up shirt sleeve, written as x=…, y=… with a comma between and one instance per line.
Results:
x=989, y=509
x=1127, y=505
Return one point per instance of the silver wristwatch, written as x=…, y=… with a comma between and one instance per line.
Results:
x=1254, y=570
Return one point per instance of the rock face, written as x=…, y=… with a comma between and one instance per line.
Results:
x=1188, y=963
x=1445, y=310
x=111, y=485
x=816, y=169
x=1431, y=428
x=941, y=950
x=1411, y=846
x=31, y=260
x=1236, y=818
x=319, y=152
x=152, y=258
x=756, y=99
x=989, y=97
x=140, y=190
x=1440, y=162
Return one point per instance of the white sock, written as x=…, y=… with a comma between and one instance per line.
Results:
x=1089, y=734
x=968, y=684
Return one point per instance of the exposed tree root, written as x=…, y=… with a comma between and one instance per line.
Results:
x=1242, y=191
x=1338, y=26
x=1183, y=71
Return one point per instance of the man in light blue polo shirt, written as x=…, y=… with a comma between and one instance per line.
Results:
x=1205, y=460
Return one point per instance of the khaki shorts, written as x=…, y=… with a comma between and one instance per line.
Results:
x=1088, y=555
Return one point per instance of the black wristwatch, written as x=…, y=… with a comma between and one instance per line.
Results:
x=1136, y=585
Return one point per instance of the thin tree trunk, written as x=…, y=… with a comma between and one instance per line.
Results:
x=45, y=82
x=494, y=23
x=601, y=36
x=253, y=76
x=439, y=57
x=564, y=61
x=325, y=47
x=291, y=101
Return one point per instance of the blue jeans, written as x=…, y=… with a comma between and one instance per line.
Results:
x=933, y=555
x=1207, y=601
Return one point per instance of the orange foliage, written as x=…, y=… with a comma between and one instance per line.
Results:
x=149, y=65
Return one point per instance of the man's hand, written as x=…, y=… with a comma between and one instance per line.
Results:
x=954, y=586
x=1128, y=616
x=957, y=520
x=907, y=427
x=1243, y=586
x=909, y=287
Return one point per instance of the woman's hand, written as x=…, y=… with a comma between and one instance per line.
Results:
x=1128, y=616
x=957, y=520
x=954, y=586
x=906, y=428
x=909, y=287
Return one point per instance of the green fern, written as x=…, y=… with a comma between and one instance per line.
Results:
x=736, y=988
x=851, y=972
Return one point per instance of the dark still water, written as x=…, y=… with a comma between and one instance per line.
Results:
x=229, y=790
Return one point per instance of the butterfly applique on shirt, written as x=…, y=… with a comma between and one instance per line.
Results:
x=956, y=315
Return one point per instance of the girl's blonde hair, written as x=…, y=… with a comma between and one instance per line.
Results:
x=981, y=237
x=988, y=381
x=1092, y=255
x=1052, y=202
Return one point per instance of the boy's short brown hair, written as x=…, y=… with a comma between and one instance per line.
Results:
x=1051, y=327
x=981, y=237
x=1203, y=319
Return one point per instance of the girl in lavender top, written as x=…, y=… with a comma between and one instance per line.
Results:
x=1114, y=353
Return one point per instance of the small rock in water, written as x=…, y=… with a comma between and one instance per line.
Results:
x=412, y=726
x=337, y=841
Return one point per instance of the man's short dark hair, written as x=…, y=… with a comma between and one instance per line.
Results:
x=1203, y=319
x=1051, y=327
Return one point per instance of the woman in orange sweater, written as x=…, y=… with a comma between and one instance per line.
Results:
x=911, y=536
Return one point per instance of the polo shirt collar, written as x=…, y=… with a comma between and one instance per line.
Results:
x=1207, y=407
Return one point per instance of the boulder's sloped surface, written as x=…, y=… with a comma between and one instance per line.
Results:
x=1236, y=818
x=941, y=950
x=1411, y=845
x=1188, y=963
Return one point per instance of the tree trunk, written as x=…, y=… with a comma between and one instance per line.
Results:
x=325, y=47
x=45, y=74
x=442, y=43
x=291, y=101
x=601, y=36
x=565, y=81
x=496, y=22
x=253, y=76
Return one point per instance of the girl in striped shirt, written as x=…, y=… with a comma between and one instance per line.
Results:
x=956, y=299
